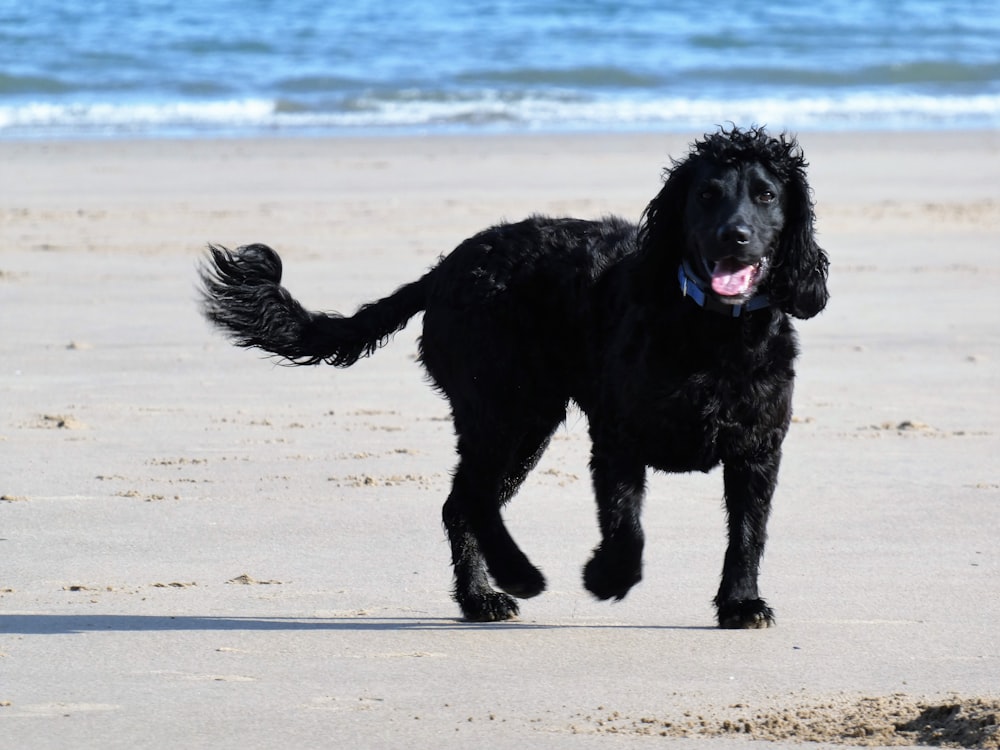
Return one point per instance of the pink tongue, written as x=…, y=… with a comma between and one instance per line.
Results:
x=730, y=278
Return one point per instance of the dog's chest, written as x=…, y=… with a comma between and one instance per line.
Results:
x=686, y=394
x=693, y=421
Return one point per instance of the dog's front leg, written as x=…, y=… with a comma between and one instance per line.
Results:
x=619, y=486
x=749, y=487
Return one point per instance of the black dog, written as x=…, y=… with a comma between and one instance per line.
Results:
x=672, y=336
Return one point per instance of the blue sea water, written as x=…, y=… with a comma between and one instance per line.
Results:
x=155, y=68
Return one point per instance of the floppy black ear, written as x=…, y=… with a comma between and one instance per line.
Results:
x=798, y=282
x=661, y=231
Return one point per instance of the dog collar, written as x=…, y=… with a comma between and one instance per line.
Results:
x=691, y=288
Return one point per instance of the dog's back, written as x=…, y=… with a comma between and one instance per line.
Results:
x=510, y=310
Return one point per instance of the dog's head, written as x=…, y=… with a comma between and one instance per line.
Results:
x=738, y=216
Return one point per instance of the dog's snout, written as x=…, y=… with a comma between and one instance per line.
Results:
x=735, y=233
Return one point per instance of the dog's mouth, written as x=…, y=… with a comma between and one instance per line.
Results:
x=730, y=283
x=733, y=278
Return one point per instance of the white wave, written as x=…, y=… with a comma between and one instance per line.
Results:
x=143, y=116
x=858, y=110
x=493, y=111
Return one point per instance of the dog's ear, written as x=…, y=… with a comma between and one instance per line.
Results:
x=661, y=231
x=798, y=283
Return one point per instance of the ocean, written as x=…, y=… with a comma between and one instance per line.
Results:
x=223, y=68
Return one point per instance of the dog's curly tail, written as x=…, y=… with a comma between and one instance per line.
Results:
x=241, y=293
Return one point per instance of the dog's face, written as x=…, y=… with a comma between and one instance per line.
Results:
x=733, y=220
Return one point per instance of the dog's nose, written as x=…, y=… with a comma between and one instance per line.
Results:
x=735, y=233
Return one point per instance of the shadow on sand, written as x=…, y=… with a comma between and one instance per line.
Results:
x=46, y=624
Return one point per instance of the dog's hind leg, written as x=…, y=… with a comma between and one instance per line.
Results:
x=475, y=596
x=480, y=542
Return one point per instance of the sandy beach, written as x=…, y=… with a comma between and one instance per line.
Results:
x=204, y=549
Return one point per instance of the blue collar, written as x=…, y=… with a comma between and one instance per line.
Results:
x=691, y=288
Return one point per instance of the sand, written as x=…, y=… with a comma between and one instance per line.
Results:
x=201, y=548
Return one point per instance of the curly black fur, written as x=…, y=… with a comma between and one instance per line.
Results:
x=524, y=318
x=242, y=294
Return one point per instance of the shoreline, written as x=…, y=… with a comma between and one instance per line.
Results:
x=348, y=136
x=845, y=167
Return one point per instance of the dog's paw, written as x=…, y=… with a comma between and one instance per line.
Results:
x=610, y=576
x=490, y=607
x=746, y=615
x=530, y=582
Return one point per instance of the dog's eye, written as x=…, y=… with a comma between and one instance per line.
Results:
x=708, y=194
x=765, y=196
